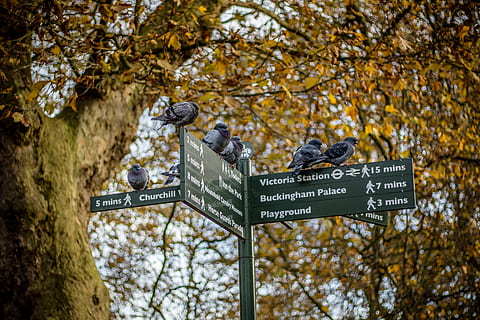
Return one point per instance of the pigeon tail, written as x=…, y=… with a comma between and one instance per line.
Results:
x=169, y=180
x=322, y=158
x=296, y=172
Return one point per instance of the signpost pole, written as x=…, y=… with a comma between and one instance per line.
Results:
x=245, y=253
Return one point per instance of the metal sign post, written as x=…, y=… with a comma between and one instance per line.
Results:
x=246, y=257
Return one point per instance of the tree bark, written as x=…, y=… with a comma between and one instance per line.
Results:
x=47, y=173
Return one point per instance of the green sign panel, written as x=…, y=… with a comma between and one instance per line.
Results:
x=210, y=185
x=379, y=218
x=362, y=188
x=135, y=199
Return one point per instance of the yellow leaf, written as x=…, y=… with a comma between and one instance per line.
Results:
x=202, y=9
x=56, y=50
x=72, y=102
x=207, y=97
x=390, y=108
x=230, y=101
x=194, y=17
x=332, y=99
x=387, y=129
x=173, y=42
x=36, y=88
x=414, y=95
x=310, y=82
x=394, y=268
x=268, y=102
x=352, y=112
x=19, y=117
x=220, y=67
x=463, y=32
x=165, y=64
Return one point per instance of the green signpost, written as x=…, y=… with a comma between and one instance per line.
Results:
x=135, y=199
x=237, y=201
x=356, y=189
x=211, y=185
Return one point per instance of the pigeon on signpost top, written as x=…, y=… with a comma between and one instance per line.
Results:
x=233, y=151
x=172, y=173
x=138, y=177
x=179, y=114
x=218, y=138
x=339, y=152
x=305, y=156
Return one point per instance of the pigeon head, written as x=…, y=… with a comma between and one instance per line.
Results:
x=195, y=106
x=220, y=126
x=136, y=167
x=316, y=143
x=351, y=140
x=236, y=139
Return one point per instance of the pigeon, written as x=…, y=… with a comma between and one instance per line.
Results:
x=305, y=156
x=172, y=173
x=138, y=177
x=179, y=114
x=339, y=152
x=218, y=138
x=233, y=150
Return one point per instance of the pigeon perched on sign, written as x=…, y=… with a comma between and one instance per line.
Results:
x=339, y=152
x=179, y=114
x=305, y=156
x=138, y=177
x=233, y=150
x=172, y=173
x=218, y=138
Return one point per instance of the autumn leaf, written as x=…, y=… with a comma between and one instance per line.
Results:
x=332, y=99
x=352, y=112
x=19, y=117
x=310, y=82
x=35, y=91
x=173, y=42
x=72, y=102
x=390, y=108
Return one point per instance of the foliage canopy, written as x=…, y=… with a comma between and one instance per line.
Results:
x=402, y=76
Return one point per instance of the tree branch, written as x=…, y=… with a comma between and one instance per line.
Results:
x=276, y=18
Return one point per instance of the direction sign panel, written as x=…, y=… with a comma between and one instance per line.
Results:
x=362, y=188
x=211, y=185
x=135, y=199
x=379, y=218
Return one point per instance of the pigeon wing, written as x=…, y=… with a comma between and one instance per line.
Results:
x=337, y=150
x=305, y=155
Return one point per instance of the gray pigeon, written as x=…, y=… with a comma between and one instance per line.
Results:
x=179, y=114
x=305, y=156
x=218, y=138
x=138, y=177
x=172, y=173
x=339, y=152
x=233, y=150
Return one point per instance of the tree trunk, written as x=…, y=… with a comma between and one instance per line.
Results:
x=47, y=173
